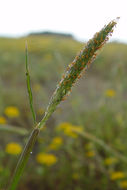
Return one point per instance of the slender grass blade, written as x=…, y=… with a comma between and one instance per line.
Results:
x=29, y=89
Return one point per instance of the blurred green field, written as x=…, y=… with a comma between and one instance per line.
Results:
x=65, y=156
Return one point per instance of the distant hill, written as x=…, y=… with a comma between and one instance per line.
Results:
x=48, y=33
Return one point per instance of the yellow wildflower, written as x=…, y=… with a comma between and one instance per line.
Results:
x=73, y=131
x=69, y=129
x=123, y=184
x=57, y=140
x=117, y=175
x=56, y=143
x=76, y=128
x=70, y=133
x=13, y=148
x=64, y=125
x=2, y=120
x=12, y=111
x=47, y=159
x=90, y=154
x=110, y=93
x=110, y=161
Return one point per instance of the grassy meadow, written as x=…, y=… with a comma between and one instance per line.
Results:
x=84, y=143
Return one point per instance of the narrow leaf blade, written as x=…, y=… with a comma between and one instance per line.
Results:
x=29, y=87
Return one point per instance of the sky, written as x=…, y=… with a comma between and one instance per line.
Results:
x=81, y=18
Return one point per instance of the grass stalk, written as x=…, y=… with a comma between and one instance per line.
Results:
x=13, y=129
x=101, y=143
x=23, y=159
x=72, y=73
x=29, y=87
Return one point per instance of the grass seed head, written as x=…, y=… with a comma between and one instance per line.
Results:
x=81, y=62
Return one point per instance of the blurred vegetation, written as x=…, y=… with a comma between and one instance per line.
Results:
x=63, y=159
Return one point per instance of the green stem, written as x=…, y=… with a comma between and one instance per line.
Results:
x=12, y=129
x=101, y=143
x=23, y=159
x=26, y=153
